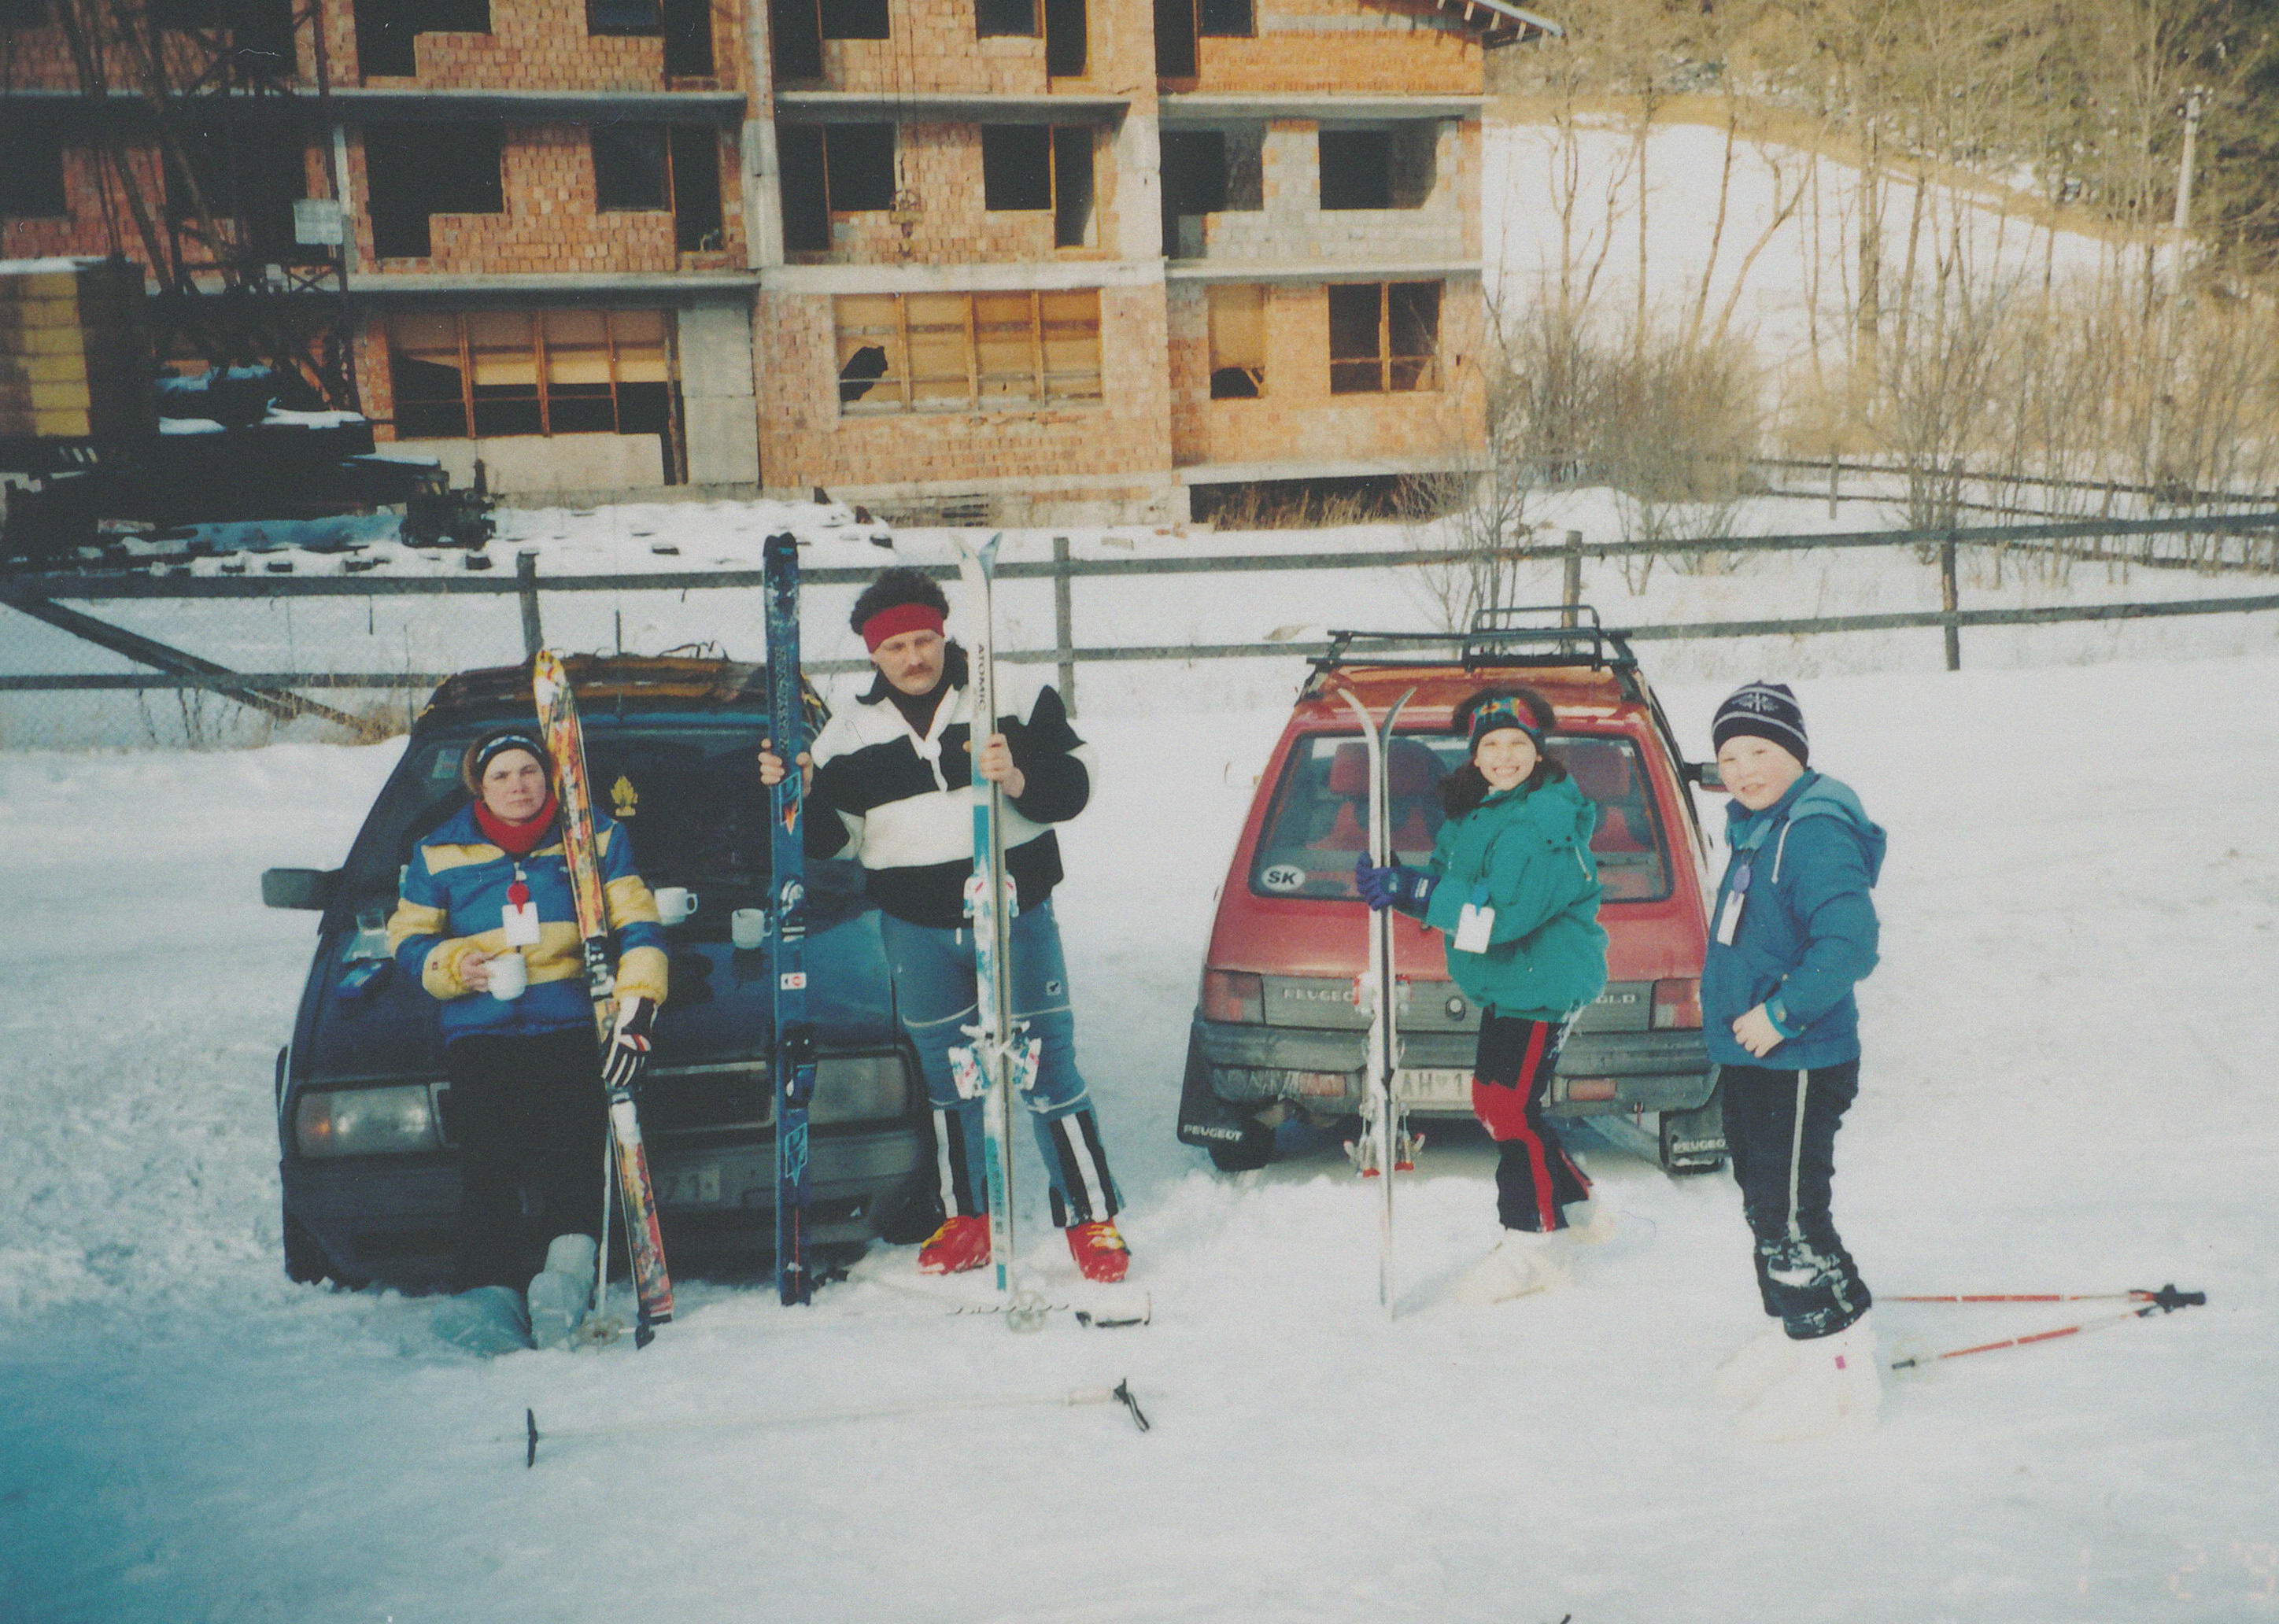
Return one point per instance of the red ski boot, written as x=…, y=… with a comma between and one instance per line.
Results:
x=1098, y=1251
x=960, y=1243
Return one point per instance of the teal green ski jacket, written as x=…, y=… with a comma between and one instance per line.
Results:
x=1525, y=854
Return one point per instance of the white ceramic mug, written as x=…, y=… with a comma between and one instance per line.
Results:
x=747, y=927
x=675, y=903
x=509, y=976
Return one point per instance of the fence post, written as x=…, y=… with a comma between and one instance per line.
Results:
x=1571, y=594
x=525, y=586
x=1948, y=602
x=1063, y=623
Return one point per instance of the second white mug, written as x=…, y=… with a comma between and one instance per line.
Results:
x=747, y=928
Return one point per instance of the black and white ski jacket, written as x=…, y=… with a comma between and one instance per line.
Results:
x=897, y=801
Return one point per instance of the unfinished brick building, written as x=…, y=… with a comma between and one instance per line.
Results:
x=1005, y=259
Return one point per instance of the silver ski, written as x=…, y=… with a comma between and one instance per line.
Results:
x=1383, y=1144
x=997, y=1051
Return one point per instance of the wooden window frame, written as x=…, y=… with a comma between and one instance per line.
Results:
x=1427, y=379
x=539, y=359
x=895, y=391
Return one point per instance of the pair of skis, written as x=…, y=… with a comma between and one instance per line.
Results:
x=1385, y=1147
x=793, y=1073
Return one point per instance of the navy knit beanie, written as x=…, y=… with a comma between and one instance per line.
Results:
x=1762, y=710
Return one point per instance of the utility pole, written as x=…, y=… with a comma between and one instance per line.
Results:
x=2195, y=105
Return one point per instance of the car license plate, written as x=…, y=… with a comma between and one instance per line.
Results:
x=1433, y=1086
x=691, y=1187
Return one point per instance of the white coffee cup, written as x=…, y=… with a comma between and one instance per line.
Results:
x=747, y=927
x=509, y=976
x=675, y=903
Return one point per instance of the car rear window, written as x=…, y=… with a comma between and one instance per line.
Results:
x=1319, y=820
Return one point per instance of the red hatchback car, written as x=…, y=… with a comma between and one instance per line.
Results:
x=1279, y=1036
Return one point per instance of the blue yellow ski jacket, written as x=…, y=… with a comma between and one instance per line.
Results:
x=1807, y=931
x=453, y=903
x=1525, y=854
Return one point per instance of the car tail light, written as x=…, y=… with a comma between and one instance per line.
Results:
x=1234, y=995
x=1589, y=1088
x=1677, y=1003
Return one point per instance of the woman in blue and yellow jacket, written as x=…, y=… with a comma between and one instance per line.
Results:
x=1513, y=885
x=486, y=923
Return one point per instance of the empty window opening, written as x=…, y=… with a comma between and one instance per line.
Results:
x=795, y=40
x=387, y=30
x=1067, y=44
x=414, y=172
x=693, y=151
x=1038, y=167
x=241, y=171
x=624, y=17
x=482, y=373
x=1357, y=168
x=1385, y=337
x=1175, y=39
x=630, y=167
x=1238, y=340
x=828, y=169
x=32, y=179
x=1207, y=171
x=1235, y=19
x=688, y=26
x=968, y=352
x=992, y=19
x=23, y=14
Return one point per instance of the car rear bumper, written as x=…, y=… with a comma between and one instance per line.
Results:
x=388, y=1218
x=1600, y=1073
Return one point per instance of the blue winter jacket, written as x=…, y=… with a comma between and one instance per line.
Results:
x=1807, y=928
x=453, y=903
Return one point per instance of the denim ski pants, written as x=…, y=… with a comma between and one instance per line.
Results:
x=934, y=991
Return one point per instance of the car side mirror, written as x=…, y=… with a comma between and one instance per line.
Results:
x=302, y=888
x=1705, y=774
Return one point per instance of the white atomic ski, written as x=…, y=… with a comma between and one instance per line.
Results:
x=1383, y=1147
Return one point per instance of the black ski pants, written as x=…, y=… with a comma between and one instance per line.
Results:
x=530, y=1118
x=1780, y=1130
x=1511, y=1084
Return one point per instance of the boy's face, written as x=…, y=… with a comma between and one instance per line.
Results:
x=911, y=660
x=1756, y=771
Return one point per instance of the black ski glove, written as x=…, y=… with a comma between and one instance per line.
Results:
x=628, y=1055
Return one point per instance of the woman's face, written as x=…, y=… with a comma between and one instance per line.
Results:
x=1504, y=757
x=514, y=785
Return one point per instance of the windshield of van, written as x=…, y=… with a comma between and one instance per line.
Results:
x=1319, y=822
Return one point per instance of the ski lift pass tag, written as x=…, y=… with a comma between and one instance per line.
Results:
x=792, y=981
x=519, y=920
x=1729, y=916
x=1475, y=928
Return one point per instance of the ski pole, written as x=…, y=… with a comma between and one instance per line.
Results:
x=1121, y=1393
x=2168, y=1299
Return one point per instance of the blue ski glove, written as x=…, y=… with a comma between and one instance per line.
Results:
x=1399, y=887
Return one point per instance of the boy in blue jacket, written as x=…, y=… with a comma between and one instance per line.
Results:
x=1793, y=930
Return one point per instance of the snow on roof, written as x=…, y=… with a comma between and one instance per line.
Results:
x=49, y=265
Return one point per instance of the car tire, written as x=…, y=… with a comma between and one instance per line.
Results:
x=914, y=1212
x=306, y=1261
x=1200, y=1106
x=1254, y=1151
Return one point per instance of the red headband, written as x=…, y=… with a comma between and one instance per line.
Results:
x=895, y=621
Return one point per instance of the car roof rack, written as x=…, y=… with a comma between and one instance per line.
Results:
x=1519, y=637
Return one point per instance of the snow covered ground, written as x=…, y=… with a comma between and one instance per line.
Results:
x=2068, y=1087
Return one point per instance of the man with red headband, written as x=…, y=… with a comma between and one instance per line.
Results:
x=892, y=776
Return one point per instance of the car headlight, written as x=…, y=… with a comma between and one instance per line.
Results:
x=366, y=1122
x=858, y=1088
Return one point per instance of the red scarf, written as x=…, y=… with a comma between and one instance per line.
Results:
x=517, y=839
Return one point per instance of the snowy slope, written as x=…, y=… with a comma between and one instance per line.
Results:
x=2068, y=1087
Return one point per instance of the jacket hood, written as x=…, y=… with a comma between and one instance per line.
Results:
x=1817, y=795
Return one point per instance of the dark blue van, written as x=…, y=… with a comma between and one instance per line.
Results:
x=364, y=1114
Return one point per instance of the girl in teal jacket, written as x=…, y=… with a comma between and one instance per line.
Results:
x=1512, y=884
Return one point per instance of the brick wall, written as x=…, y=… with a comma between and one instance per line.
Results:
x=941, y=165
x=1354, y=46
x=934, y=50
x=550, y=223
x=543, y=45
x=805, y=441
x=1298, y=419
x=1292, y=227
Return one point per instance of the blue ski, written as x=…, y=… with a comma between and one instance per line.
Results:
x=792, y=1074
